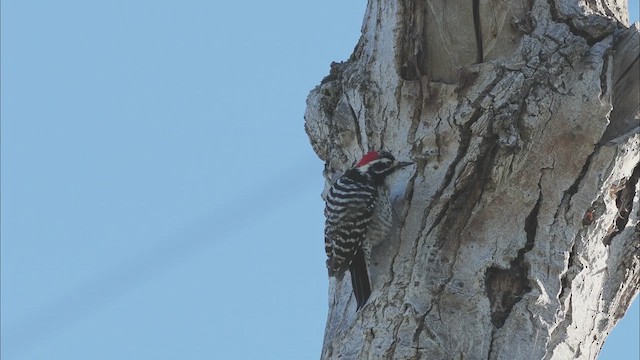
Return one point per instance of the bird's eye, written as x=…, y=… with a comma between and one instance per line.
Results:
x=380, y=166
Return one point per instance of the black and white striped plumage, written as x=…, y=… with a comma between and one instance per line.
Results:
x=354, y=213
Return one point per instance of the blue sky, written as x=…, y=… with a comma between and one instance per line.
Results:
x=160, y=198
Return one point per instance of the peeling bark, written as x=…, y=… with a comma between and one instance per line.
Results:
x=517, y=232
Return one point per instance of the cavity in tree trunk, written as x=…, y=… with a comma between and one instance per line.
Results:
x=517, y=232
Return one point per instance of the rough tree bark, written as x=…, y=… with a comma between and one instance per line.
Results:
x=518, y=227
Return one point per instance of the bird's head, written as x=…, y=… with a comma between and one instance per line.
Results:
x=379, y=164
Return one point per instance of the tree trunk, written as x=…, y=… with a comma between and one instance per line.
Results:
x=518, y=229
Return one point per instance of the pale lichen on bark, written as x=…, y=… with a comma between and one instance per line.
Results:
x=519, y=222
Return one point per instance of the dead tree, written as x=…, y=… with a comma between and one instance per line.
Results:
x=517, y=232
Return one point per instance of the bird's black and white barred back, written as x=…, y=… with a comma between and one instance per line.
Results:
x=349, y=208
x=356, y=216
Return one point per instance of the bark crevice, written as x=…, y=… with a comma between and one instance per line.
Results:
x=465, y=135
x=568, y=276
x=604, y=78
x=624, y=204
x=505, y=287
x=573, y=189
x=477, y=25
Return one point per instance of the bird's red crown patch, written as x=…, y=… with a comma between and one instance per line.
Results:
x=368, y=157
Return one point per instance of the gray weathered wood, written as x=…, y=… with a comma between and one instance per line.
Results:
x=518, y=231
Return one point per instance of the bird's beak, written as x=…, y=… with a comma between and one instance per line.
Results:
x=402, y=164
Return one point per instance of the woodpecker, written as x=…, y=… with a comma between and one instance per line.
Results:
x=358, y=213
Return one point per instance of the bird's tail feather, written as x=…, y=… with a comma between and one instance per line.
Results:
x=360, y=278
